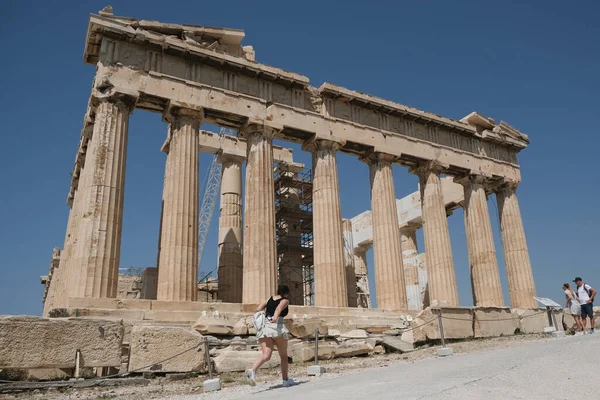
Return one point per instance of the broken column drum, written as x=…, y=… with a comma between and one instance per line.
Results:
x=408, y=240
x=230, y=230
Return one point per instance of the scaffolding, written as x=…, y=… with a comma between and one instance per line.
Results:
x=294, y=221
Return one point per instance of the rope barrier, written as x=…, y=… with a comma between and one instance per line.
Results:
x=196, y=346
x=494, y=320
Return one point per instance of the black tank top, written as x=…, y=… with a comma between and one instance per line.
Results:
x=272, y=306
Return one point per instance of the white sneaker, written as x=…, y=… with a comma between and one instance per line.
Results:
x=289, y=382
x=251, y=375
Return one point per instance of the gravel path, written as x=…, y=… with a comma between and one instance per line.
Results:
x=538, y=370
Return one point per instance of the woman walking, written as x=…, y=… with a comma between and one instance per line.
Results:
x=573, y=305
x=273, y=333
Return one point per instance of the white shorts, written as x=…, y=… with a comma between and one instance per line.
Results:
x=274, y=330
x=575, y=308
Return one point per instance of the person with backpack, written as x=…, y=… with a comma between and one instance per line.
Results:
x=586, y=294
x=574, y=306
x=271, y=332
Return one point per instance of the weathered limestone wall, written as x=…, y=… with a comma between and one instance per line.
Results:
x=34, y=342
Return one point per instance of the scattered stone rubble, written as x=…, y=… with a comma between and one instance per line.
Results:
x=37, y=348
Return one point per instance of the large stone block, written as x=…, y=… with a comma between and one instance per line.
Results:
x=305, y=327
x=303, y=352
x=235, y=361
x=152, y=345
x=214, y=325
x=492, y=322
x=352, y=349
x=34, y=342
x=458, y=324
x=531, y=320
x=396, y=344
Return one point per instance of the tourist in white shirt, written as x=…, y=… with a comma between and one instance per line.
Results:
x=586, y=295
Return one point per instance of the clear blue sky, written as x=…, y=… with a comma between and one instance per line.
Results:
x=533, y=64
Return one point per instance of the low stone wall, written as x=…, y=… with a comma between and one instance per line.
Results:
x=35, y=342
x=155, y=331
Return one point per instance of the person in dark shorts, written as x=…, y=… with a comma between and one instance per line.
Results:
x=586, y=294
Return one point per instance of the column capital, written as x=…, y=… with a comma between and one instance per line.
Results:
x=428, y=167
x=176, y=111
x=228, y=157
x=361, y=250
x=409, y=228
x=477, y=179
x=374, y=157
x=507, y=185
x=261, y=127
x=315, y=143
x=104, y=90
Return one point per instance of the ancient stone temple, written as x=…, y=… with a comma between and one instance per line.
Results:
x=195, y=74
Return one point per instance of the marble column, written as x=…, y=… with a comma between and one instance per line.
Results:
x=363, y=293
x=94, y=265
x=438, y=251
x=349, y=263
x=58, y=291
x=408, y=241
x=230, y=230
x=389, y=271
x=329, y=269
x=290, y=255
x=516, y=255
x=178, y=263
x=260, y=266
x=485, y=276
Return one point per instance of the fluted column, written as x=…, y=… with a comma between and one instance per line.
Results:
x=438, y=251
x=260, y=266
x=349, y=263
x=330, y=272
x=178, y=262
x=57, y=292
x=408, y=240
x=230, y=230
x=389, y=271
x=362, y=278
x=94, y=265
x=289, y=226
x=485, y=276
x=516, y=255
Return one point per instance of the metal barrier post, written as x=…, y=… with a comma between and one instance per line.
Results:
x=317, y=346
x=443, y=351
x=210, y=385
x=316, y=369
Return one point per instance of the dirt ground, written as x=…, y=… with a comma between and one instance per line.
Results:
x=173, y=386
